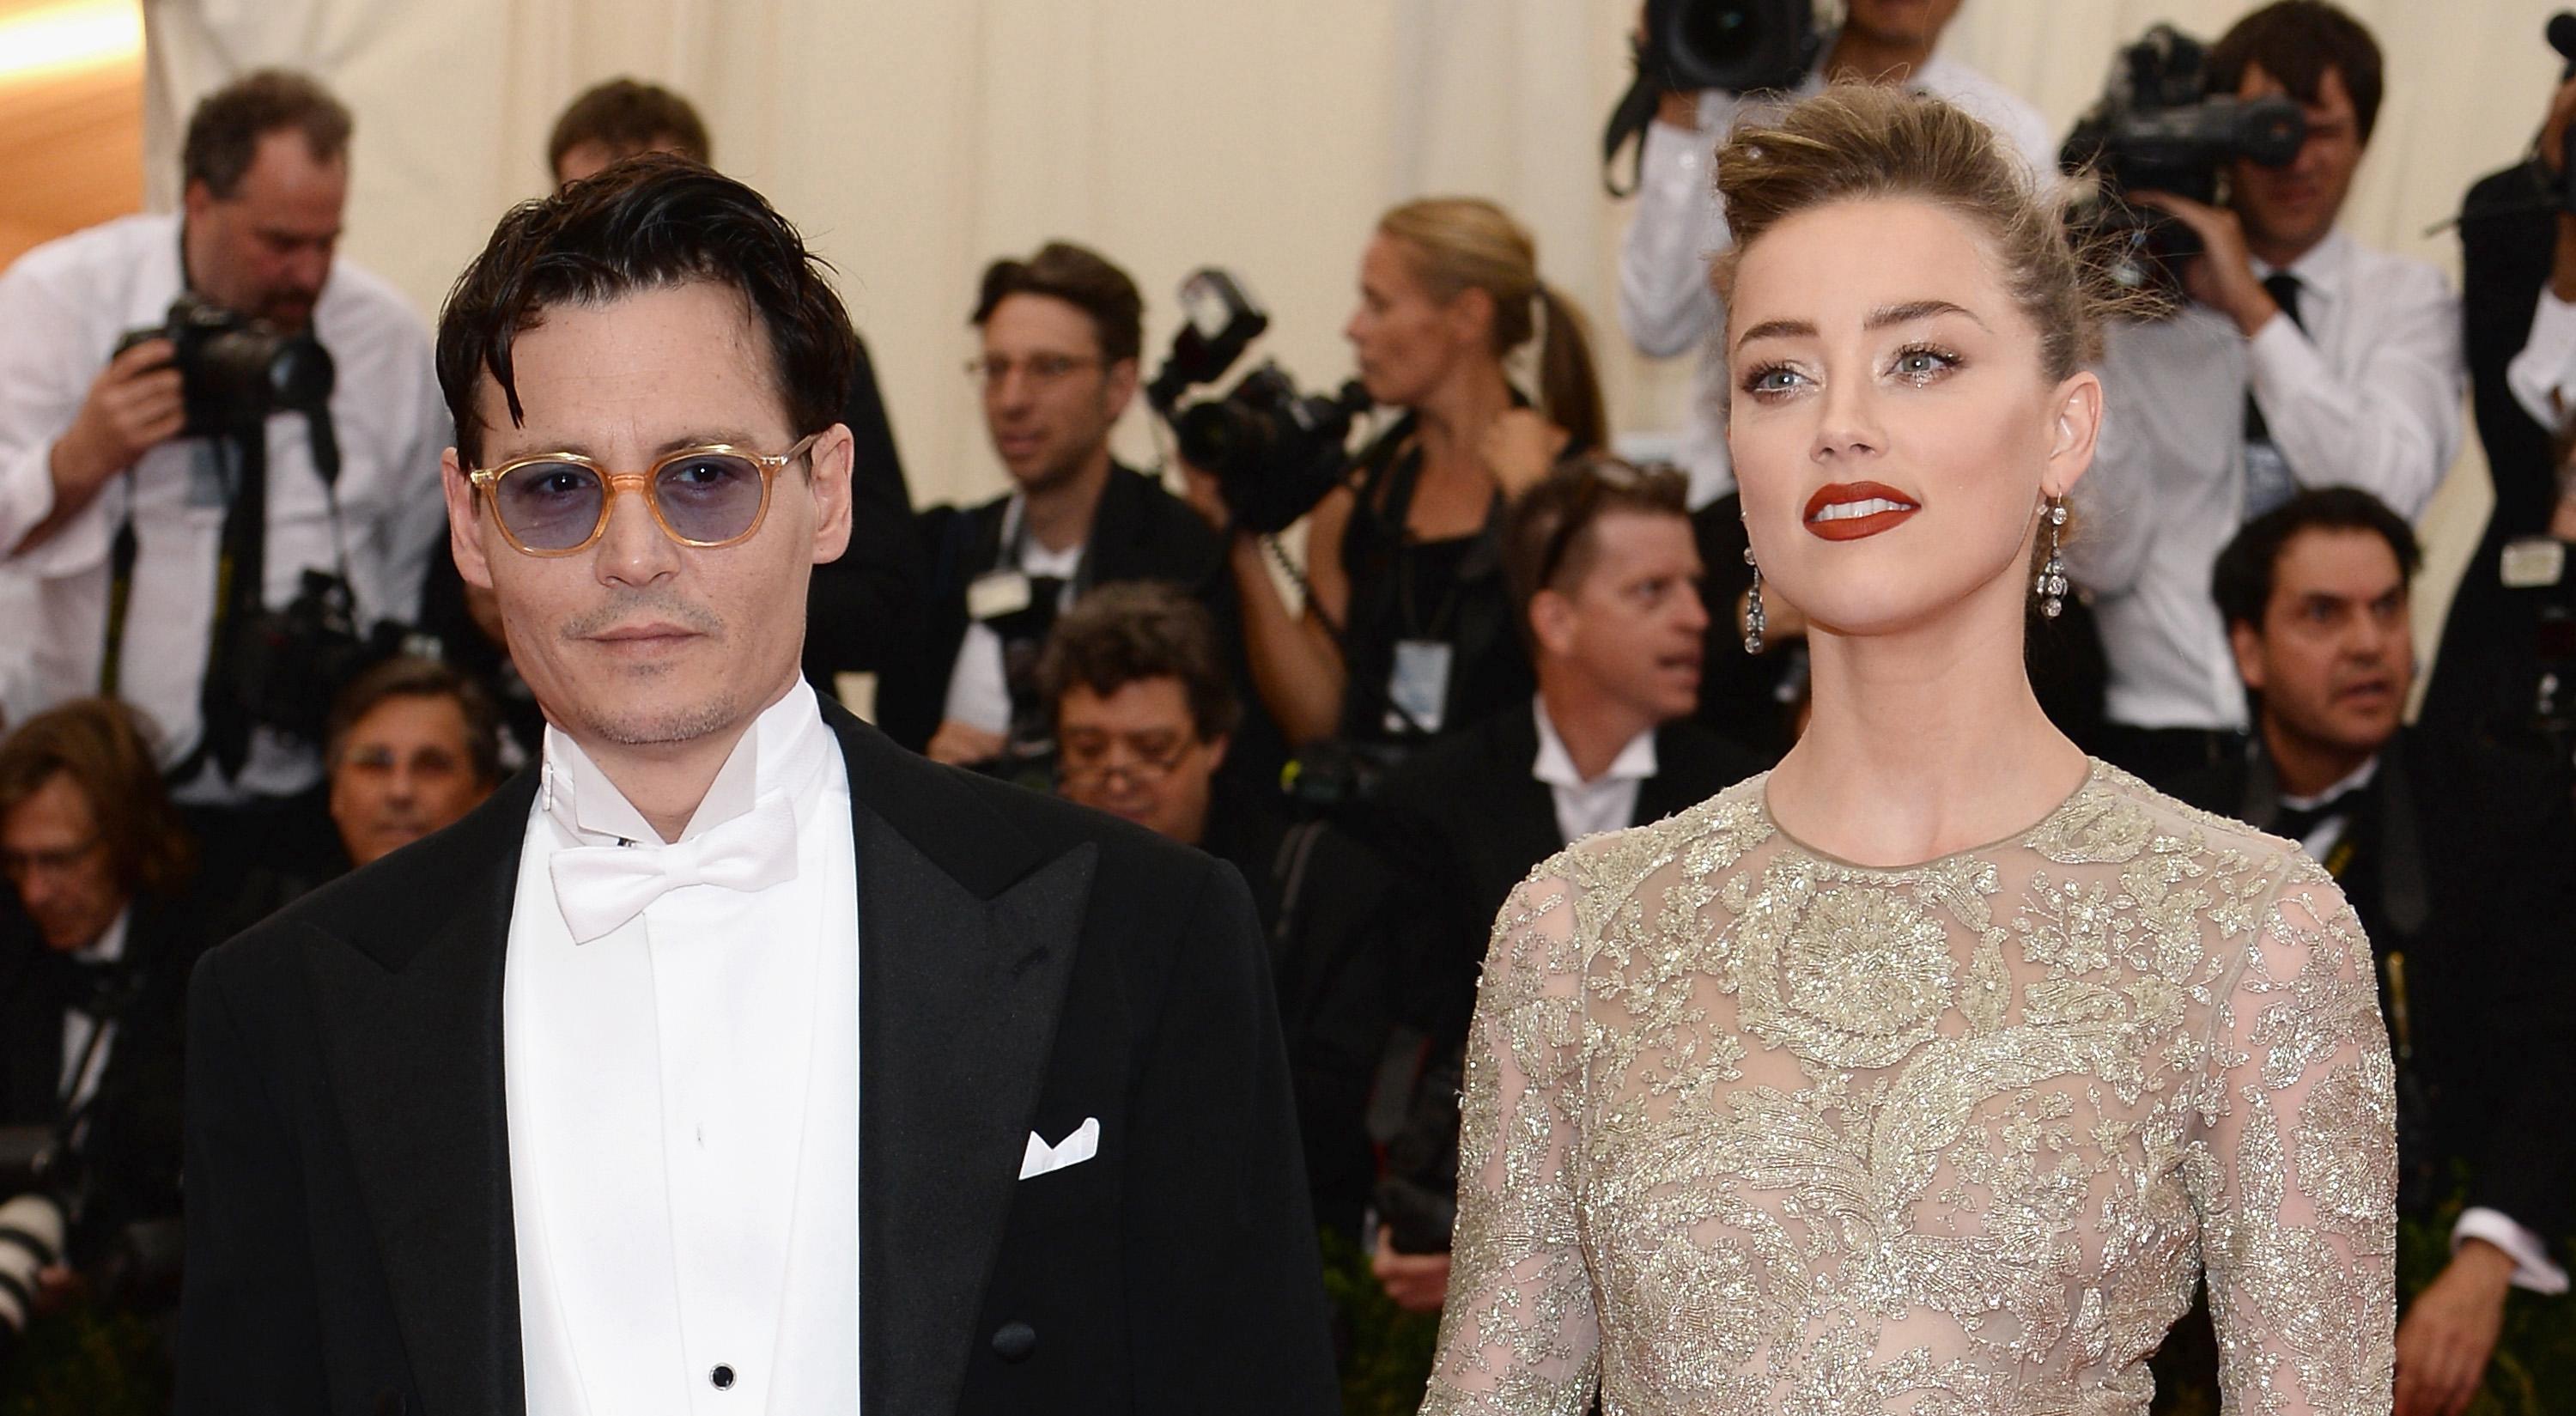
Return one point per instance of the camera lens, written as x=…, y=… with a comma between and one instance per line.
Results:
x=1719, y=33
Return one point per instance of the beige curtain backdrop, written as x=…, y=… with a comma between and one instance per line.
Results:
x=914, y=140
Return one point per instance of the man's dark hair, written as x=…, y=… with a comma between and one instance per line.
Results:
x=2241, y=580
x=1080, y=278
x=648, y=223
x=224, y=132
x=2296, y=41
x=102, y=745
x=1547, y=533
x=628, y=116
x=412, y=676
x=1136, y=630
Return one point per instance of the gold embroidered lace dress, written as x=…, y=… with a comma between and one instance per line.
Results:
x=1751, y=1129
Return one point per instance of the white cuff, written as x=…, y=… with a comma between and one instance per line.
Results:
x=2546, y=364
x=2531, y=1266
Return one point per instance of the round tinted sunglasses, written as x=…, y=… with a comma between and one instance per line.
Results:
x=557, y=503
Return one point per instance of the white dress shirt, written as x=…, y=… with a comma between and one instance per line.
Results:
x=979, y=688
x=2543, y=375
x=2532, y=1268
x=2367, y=395
x=683, y=1105
x=1665, y=301
x=64, y=305
x=1604, y=803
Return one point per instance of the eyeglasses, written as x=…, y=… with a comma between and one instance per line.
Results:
x=1086, y=760
x=557, y=503
x=1603, y=474
x=18, y=865
x=1041, y=368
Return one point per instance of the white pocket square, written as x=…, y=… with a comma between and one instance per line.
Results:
x=1074, y=1149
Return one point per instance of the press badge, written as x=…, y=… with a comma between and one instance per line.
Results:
x=996, y=593
x=1419, y=685
x=2534, y=561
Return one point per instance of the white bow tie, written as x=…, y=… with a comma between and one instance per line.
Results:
x=600, y=888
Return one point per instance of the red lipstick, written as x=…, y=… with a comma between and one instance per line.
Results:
x=1848, y=511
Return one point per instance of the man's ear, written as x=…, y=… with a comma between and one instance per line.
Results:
x=1118, y=388
x=2073, y=432
x=1551, y=618
x=2247, y=645
x=831, y=458
x=464, y=521
x=196, y=200
x=1216, y=747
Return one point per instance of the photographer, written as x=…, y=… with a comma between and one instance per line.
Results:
x=1407, y=632
x=95, y=947
x=2301, y=359
x=191, y=549
x=1665, y=301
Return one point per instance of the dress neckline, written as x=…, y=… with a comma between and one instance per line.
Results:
x=1762, y=802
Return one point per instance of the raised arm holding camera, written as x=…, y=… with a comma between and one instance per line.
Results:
x=218, y=449
x=1407, y=632
x=2300, y=358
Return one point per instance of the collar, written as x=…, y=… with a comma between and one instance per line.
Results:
x=110, y=944
x=2321, y=271
x=1555, y=766
x=786, y=750
x=2354, y=781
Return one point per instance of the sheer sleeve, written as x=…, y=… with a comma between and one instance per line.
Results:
x=2296, y=1178
x=1519, y=1334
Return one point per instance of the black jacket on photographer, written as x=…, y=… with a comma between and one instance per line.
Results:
x=127, y=1137
x=1138, y=532
x=66, y=306
x=1408, y=592
x=2457, y=861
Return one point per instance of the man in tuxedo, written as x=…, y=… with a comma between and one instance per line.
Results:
x=2458, y=863
x=96, y=941
x=733, y=1058
x=1602, y=564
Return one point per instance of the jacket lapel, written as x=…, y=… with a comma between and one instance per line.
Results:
x=967, y=933
x=411, y=1030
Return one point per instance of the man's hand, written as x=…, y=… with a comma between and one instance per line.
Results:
x=961, y=745
x=1673, y=108
x=134, y=405
x=2446, y=1335
x=2222, y=275
x=1418, y=1283
x=1519, y=447
x=57, y=1287
x=1201, y=491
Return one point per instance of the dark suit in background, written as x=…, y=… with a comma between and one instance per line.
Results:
x=2463, y=862
x=1024, y=965
x=862, y=610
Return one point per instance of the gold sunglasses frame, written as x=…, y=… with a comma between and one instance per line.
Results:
x=487, y=481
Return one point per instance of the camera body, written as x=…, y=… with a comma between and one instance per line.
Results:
x=2156, y=128
x=1741, y=46
x=235, y=371
x=1274, y=451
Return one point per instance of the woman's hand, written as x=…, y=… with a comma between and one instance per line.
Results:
x=1519, y=447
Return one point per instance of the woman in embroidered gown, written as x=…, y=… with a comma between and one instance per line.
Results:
x=1927, y=1073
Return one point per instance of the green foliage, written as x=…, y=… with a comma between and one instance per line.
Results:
x=87, y=1362
x=1386, y=1351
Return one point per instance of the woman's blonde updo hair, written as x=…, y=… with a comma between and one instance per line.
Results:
x=1859, y=141
x=1467, y=243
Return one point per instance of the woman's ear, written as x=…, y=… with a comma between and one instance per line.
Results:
x=2075, y=425
x=1471, y=316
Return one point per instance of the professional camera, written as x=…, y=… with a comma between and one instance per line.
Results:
x=294, y=661
x=235, y=371
x=2158, y=129
x=1274, y=451
x=1739, y=46
x=33, y=1225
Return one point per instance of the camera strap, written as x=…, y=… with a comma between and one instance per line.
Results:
x=240, y=571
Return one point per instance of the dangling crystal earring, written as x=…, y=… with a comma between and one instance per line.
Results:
x=1753, y=607
x=2051, y=584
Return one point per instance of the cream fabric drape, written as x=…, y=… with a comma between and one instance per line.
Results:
x=914, y=140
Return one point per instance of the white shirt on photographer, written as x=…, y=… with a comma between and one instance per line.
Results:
x=1665, y=301
x=2366, y=394
x=65, y=305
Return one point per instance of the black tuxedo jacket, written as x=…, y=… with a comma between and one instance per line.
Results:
x=1024, y=965
x=1138, y=532
x=2465, y=860
x=131, y=1145
x=1464, y=821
